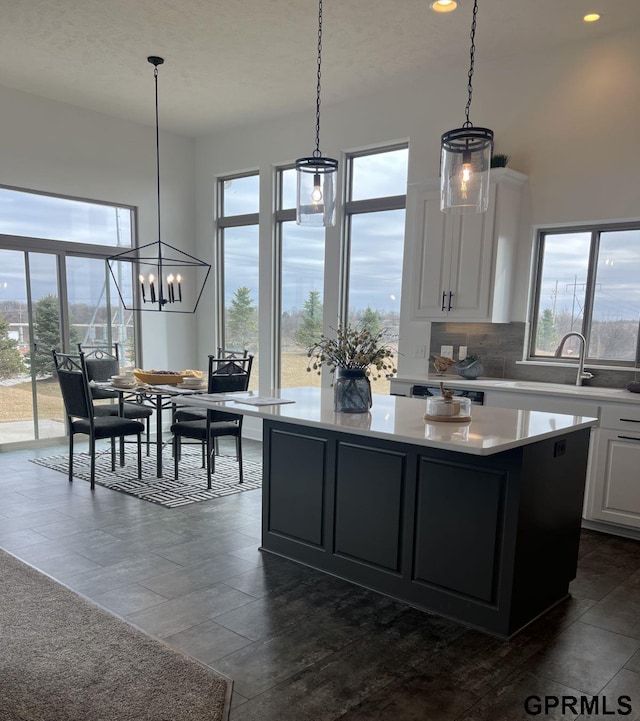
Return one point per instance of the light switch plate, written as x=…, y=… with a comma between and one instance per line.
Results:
x=446, y=351
x=462, y=352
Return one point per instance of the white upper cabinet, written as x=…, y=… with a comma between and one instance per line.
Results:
x=464, y=264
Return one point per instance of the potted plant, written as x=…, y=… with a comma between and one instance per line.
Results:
x=499, y=160
x=355, y=355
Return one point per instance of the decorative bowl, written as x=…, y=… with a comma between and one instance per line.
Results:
x=470, y=367
x=155, y=378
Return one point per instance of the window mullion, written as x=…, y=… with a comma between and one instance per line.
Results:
x=590, y=289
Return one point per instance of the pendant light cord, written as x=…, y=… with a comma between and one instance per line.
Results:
x=316, y=152
x=472, y=53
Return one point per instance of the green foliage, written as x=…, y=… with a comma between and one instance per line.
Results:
x=11, y=364
x=500, y=160
x=353, y=349
x=310, y=329
x=241, y=329
x=46, y=329
x=371, y=321
x=546, y=335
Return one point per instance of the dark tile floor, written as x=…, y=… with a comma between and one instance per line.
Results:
x=303, y=646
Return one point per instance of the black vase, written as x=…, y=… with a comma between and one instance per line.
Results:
x=351, y=391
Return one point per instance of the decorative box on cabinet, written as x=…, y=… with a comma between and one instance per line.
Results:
x=464, y=264
x=615, y=481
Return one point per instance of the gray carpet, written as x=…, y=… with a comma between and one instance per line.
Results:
x=191, y=486
x=64, y=659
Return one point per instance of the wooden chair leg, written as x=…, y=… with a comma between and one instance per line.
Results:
x=121, y=451
x=139, y=456
x=113, y=454
x=70, y=456
x=92, y=453
x=239, y=455
x=148, y=434
x=176, y=454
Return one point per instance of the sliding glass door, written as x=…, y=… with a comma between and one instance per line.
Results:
x=51, y=300
x=30, y=325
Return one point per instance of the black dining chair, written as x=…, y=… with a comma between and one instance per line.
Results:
x=225, y=375
x=81, y=417
x=101, y=364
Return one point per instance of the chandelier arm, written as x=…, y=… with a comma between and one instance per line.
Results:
x=472, y=54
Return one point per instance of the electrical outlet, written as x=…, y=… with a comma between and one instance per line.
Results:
x=462, y=352
x=559, y=448
x=420, y=351
x=446, y=351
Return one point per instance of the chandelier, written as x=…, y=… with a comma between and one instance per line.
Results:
x=160, y=276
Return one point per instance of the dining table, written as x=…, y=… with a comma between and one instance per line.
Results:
x=157, y=397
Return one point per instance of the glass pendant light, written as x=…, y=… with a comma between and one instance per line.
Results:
x=316, y=197
x=466, y=157
x=166, y=278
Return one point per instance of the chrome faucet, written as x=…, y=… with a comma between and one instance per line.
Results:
x=582, y=374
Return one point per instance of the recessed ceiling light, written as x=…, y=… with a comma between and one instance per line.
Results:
x=591, y=17
x=443, y=6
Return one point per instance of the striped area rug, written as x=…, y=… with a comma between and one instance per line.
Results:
x=191, y=486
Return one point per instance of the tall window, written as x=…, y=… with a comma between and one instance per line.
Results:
x=375, y=218
x=238, y=202
x=34, y=215
x=589, y=282
x=301, y=286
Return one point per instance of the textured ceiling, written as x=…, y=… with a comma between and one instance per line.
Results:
x=230, y=62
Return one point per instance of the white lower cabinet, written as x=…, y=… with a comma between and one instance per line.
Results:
x=614, y=489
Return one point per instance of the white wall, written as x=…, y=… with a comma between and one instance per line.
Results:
x=58, y=148
x=568, y=120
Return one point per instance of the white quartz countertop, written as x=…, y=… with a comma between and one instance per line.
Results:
x=612, y=395
x=395, y=418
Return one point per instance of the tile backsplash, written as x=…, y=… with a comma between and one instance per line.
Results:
x=499, y=346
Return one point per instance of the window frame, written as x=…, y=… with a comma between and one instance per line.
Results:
x=222, y=222
x=280, y=217
x=595, y=230
x=357, y=207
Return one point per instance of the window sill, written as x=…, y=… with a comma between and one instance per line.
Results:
x=556, y=364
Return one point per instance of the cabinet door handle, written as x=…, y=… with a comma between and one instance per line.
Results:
x=444, y=295
x=629, y=420
x=629, y=438
x=450, y=299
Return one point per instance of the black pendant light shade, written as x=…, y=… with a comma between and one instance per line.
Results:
x=158, y=276
x=466, y=157
x=316, y=175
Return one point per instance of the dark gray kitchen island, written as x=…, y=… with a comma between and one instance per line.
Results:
x=476, y=522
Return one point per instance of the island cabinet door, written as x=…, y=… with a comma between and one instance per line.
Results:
x=463, y=539
x=294, y=504
x=338, y=502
